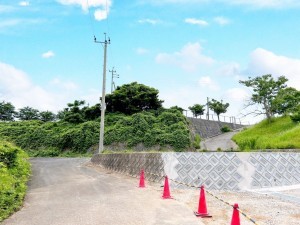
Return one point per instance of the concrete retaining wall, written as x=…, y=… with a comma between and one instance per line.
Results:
x=209, y=128
x=217, y=171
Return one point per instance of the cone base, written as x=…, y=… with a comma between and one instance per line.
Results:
x=203, y=215
x=141, y=186
x=166, y=197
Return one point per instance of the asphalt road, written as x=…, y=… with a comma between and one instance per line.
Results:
x=222, y=141
x=69, y=192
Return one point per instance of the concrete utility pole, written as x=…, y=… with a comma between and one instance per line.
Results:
x=112, y=79
x=103, y=105
x=207, y=104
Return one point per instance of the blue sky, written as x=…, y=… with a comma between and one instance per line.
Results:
x=187, y=49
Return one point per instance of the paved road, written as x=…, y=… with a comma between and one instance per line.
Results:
x=222, y=141
x=68, y=192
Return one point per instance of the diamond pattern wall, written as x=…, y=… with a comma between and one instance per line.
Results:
x=215, y=170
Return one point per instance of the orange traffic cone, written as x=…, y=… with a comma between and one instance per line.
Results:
x=235, y=215
x=166, y=193
x=202, y=209
x=142, y=179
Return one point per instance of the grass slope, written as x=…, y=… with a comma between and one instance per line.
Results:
x=14, y=173
x=281, y=133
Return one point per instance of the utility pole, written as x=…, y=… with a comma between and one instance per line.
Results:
x=112, y=79
x=207, y=104
x=103, y=105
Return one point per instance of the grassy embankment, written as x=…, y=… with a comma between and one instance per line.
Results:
x=281, y=133
x=14, y=173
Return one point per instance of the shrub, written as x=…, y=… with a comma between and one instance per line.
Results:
x=296, y=117
x=14, y=173
x=225, y=129
x=196, y=143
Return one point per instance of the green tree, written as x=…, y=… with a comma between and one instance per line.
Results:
x=74, y=113
x=28, y=113
x=7, y=111
x=265, y=90
x=132, y=98
x=286, y=101
x=218, y=107
x=47, y=116
x=177, y=108
x=92, y=113
x=197, y=110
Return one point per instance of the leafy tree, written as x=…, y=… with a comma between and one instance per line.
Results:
x=295, y=117
x=61, y=115
x=92, y=113
x=286, y=101
x=132, y=98
x=197, y=110
x=74, y=113
x=47, y=116
x=28, y=113
x=7, y=111
x=265, y=89
x=218, y=107
x=177, y=108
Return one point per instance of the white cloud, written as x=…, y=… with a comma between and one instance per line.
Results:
x=66, y=85
x=100, y=14
x=237, y=94
x=196, y=22
x=102, y=6
x=221, y=20
x=16, y=87
x=24, y=3
x=229, y=69
x=189, y=58
x=149, y=21
x=183, y=96
x=207, y=82
x=266, y=62
x=142, y=51
x=48, y=54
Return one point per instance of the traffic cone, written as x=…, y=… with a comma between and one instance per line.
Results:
x=202, y=209
x=142, y=179
x=166, y=193
x=235, y=215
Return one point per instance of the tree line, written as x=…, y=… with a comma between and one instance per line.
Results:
x=273, y=96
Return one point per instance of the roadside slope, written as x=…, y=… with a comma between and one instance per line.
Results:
x=281, y=133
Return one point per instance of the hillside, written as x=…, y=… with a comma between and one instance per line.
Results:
x=281, y=133
x=166, y=129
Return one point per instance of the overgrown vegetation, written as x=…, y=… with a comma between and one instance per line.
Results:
x=163, y=128
x=280, y=133
x=14, y=173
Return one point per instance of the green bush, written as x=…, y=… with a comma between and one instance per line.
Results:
x=296, y=117
x=197, y=140
x=225, y=129
x=14, y=173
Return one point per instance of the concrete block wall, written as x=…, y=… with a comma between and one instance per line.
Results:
x=209, y=128
x=216, y=170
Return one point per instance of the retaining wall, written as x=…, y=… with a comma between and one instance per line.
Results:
x=217, y=171
x=209, y=128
